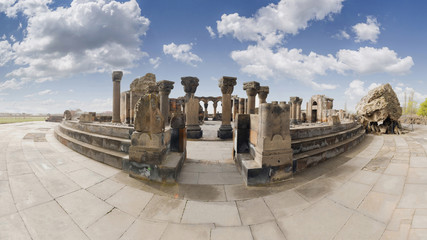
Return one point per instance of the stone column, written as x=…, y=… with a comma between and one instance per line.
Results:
x=206, y=111
x=117, y=77
x=165, y=88
x=215, y=104
x=227, y=85
x=235, y=107
x=241, y=106
x=251, y=89
x=293, y=102
x=191, y=107
x=262, y=94
x=299, y=118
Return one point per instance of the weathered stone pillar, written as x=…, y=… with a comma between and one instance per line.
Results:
x=206, y=111
x=251, y=89
x=235, y=107
x=262, y=94
x=117, y=77
x=191, y=107
x=241, y=106
x=227, y=85
x=165, y=88
x=215, y=104
x=293, y=102
x=299, y=118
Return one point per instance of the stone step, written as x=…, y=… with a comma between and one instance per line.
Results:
x=313, y=157
x=300, y=146
x=106, y=129
x=115, y=159
x=97, y=140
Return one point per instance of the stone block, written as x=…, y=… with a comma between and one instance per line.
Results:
x=148, y=117
x=334, y=120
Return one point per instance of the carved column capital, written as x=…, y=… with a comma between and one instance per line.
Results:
x=190, y=84
x=227, y=84
x=263, y=92
x=251, y=88
x=165, y=86
x=117, y=76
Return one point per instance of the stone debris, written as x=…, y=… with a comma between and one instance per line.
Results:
x=380, y=110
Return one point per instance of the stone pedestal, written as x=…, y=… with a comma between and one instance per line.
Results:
x=165, y=88
x=263, y=93
x=191, y=107
x=227, y=85
x=251, y=89
x=150, y=155
x=117, y=77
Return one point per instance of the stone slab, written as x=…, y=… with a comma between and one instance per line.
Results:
x=219, y=213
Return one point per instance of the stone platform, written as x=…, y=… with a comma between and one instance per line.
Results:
x=378, y=190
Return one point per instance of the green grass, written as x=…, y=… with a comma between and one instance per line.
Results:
x=20, y=119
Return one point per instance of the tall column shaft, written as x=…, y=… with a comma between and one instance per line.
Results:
x=117, y=77
x=227, y=85
x=214, y=107
x=241, y=106
x=235, y=108
x=191, y=107
x=165, y=88
x=206, y=111
x=251, y=89
x=226, y=109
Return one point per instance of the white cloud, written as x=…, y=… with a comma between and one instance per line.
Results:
x=271, y=23
x=182, y=53
x=48, y=101
x=6, y=52
x=266, y=63
x=400, y=92
x=5, y=5
x=368, y=31
x=27, y=7
x=342, y=35
x=45, y=92
x=12, y=38
x=355, y=91
x=10, y=84
x=155, y=62
x=373, y=60
x=87, y=37
x=211, y=32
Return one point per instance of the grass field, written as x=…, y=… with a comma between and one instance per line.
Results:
x=20, y=119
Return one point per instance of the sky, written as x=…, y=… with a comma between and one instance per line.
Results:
x=57, y=55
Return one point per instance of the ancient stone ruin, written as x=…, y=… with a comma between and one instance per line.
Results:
x=147, y=133
x=380, y=110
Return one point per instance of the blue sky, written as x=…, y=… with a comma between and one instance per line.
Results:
x=57, y=55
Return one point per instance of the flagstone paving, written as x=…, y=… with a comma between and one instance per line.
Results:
x=47, y=191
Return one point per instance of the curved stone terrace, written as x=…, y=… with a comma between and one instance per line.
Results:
x=378, y=190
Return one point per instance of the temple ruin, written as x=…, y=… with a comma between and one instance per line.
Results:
x=148, y=131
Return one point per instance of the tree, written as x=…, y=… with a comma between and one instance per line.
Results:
x=422, y=111
x=410, y=107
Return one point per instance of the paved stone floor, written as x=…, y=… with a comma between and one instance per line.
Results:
x=47, y=191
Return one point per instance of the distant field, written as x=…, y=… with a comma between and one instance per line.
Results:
x=20, y=119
